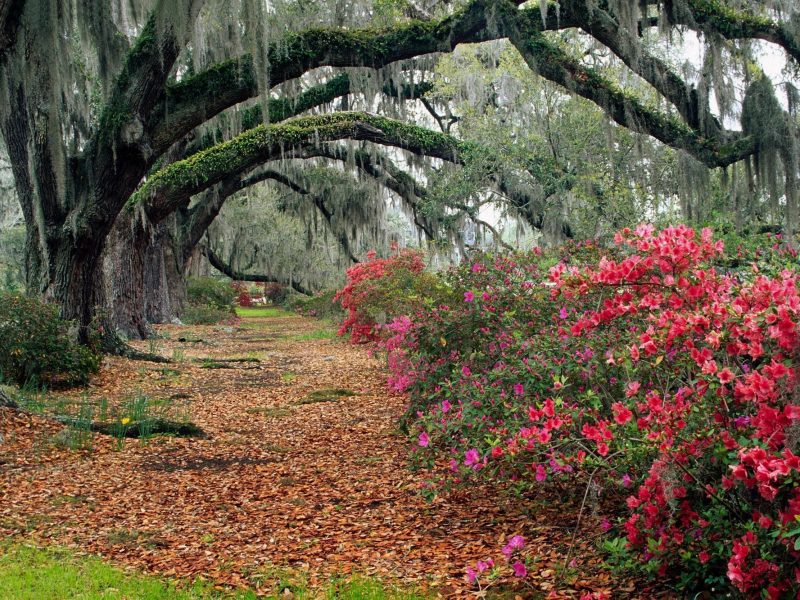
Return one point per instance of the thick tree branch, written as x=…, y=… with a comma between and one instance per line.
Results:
x=606, y=29
x=548, y=60
x=712, y=16
x=168, y=189
x=281, y=109
x=196, y=99
x=226, y=269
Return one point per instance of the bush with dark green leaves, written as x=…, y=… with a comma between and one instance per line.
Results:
x=210, y=301
x=205, y=314
x=321, y=305
x=36, y=347
x=204, y=290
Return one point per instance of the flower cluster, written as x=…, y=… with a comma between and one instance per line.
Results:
x=367, y=293
x=661, y=370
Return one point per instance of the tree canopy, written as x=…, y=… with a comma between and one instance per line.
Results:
x=570, y=116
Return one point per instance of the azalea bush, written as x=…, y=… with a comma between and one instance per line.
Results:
x=275, y=293
x=242, y=291
x=661, y=371
x=382, y=289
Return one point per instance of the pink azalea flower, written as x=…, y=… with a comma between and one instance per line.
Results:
x=472, y=457
x=519, y=389
x=465, y=371
x=517, y=542
x=423, y=440
x=606, y=524
x=445, y=406
x=519, y=570
x=471, y=575
x=469, y=296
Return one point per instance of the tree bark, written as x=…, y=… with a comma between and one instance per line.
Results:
x=125, y=263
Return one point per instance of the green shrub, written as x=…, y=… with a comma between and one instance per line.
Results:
x=320, y=306
x=204, y=314
x=204, y=290
x=35, y=345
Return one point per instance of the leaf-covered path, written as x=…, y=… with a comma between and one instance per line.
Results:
x=284, y=480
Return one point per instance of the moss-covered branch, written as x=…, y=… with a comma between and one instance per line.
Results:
x=226, y=269
x=194, y=100
x=281, y=109
x=712, y=16
x=552, y=63
x=168, y=189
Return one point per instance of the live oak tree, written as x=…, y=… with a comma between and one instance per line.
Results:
x=105, y=106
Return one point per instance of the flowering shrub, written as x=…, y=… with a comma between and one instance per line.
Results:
x=35, y=345
x=275, y=293
x=242, y=291
x=380, y=289
x=647, y=370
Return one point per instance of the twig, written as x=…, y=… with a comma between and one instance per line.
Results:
x=580, y=514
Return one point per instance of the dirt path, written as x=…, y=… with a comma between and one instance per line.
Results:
x=320, y=487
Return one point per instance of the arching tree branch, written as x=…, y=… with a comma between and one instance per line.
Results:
x=168, y=189
x=190, y=102
x=226, y=269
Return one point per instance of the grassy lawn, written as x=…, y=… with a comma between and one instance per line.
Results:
x=319, y=334
x=260, y=312
x=29, y=573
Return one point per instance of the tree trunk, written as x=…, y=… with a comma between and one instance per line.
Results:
x=127, y=266
x=158, y=300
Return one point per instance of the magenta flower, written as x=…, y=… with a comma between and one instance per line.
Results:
x=445, y=406
x=519, y=389
x=465, y=371
x=517, y=542
x=606, y=524
x=469, y=296
x=563, y=313
x=472, y=457
x=471, y=575
x=423, y=440
x=626, y=480
x=519, y=570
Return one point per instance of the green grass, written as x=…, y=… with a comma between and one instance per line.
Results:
x=30, y=573
x=260, y=312
x=319, y=334
x=326, y=395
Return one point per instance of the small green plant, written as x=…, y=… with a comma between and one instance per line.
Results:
x=154, y=346
x=119, y=430
x=326, y=395
x=178, y=355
